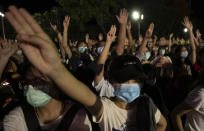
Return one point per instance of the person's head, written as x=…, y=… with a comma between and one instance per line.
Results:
x=181, y=52
x=126, y=44
x=151, y=73
x=82, y=47
x=38, y=88
x=127, y=76
x=100, y=47
x=162, y=50
x=100, y=36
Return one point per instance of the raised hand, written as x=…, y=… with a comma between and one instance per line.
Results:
x=8, y=48
x=187, y=23
x=171, y=36
x=37, y=45
x=155, y=37
x=150, y=30
x=111, y=34
x=198, y=35
x=122, y=19
x=129, y=25
x=54, y=27
x=87, y=38
x=66, y=22
x=140, y=38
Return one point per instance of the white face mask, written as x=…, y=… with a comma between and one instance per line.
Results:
x=184, y=54
x=147, y=55
x=162, y=52
x=19, y=52
x=36, y=98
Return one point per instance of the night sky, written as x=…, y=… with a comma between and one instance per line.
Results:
x=43, y=5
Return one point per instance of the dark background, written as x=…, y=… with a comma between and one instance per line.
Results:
x=151, y=8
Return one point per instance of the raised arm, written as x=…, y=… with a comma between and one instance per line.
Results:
x=42, y=53
x=197, y=39
x=148, y=35
x=122, y=19
x=187, y=23
x=170, y=42
x=59, y=36
x=7, y=49
x=64, y=39
x=104, y=55
x=129, y=34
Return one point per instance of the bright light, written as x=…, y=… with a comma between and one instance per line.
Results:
x=1, y=14
x=136, y=15
x=185, y=30
x=142, y=17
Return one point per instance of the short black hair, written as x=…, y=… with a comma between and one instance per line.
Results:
x=126, y=67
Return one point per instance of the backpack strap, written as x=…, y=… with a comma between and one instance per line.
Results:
x=30, y=118
x=68, y=118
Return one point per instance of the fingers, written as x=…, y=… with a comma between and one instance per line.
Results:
x=17, y=26
x=19, y=18
x=29, y=19
x=35, y=40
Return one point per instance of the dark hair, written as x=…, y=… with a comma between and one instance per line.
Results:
x=126, y=67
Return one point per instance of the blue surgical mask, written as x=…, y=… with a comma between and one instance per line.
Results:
x=127, y=92
x=184, y=54
x=100, y=49
x=36, y=98
x=82, y=49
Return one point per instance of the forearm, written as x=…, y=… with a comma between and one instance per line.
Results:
x=121, y=40
x=3, y=61
x=100, y=63
x=73, y=87
x=192, y=42
x=130, y=39
x=169, y=45
x=161, y=128
x=65, y=45
x=142, y=47
x=177, y=123
x=104, y=54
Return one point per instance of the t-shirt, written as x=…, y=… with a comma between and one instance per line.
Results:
x=104, y=88
x=15, y=121
x=115, y=118
x=195, y=118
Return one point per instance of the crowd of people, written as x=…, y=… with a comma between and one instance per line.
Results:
x=115, y=83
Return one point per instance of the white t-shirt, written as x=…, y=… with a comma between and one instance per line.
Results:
x=195, y=118
x=115, y=118
x=15, y=121
x=104, y=88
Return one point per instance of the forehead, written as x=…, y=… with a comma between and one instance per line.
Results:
x=183, y=48
x=82, y=44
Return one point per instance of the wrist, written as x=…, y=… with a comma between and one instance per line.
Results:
x=57, y=71
x=4, y=58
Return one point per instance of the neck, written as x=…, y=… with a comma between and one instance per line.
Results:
x=50, y=111
x=121, y=104
x=183, y=59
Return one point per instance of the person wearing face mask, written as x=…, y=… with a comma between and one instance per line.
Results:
x=127, y=77
x=82, y=48
x=44, y=109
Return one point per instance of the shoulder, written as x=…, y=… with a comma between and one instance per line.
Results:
x=15, y=120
